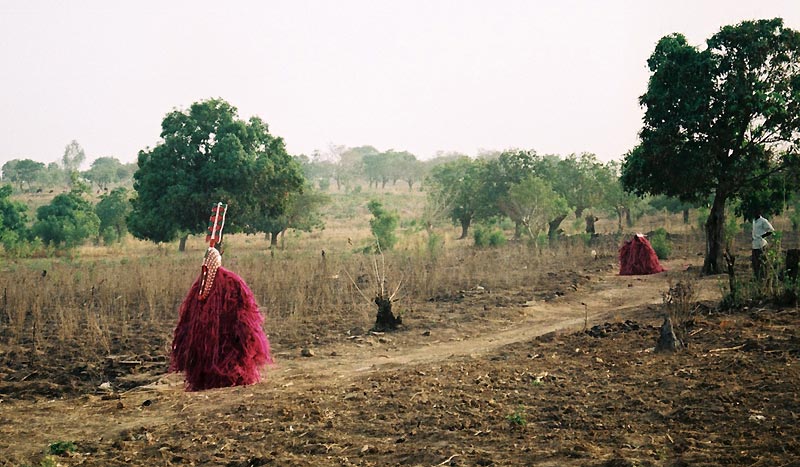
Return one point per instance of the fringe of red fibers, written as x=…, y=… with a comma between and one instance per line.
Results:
x=219, y=341
x=637, y=257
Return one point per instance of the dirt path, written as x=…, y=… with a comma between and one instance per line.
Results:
x=607, y=297
x=98, y=417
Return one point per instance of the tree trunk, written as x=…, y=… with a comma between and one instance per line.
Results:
x=517, y=230
x=628, y=220
x=182, y=242
x=685, y=216
x=464, y=228
x=667, y=341
x=715, y=236
x=619, y=210
x=579, y=212
x=552, y=228
x=385, y=319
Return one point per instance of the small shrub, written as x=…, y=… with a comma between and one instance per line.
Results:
x=109, y=235
x=383, y=225
x=661, y=243
x=481, y=237
x=18, y=247
x=488, y=237
x=518, y=417
x=681, y=304
x=435, y=245
x=60, y=448
x=497, y=238
x=506, y=224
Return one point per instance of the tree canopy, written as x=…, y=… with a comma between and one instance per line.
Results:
x=22, y=171
x=112, y=210
x=301, y=213
x=719, y=121
x=207, y=155
x=73, y=157
x=13, y=215
x=454, y=186
x=67, y=221
x=106, y=170
x=533, y=204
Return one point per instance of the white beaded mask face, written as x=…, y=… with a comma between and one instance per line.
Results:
x=211, y=263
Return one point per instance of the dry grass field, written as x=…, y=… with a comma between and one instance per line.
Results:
x=492, y=366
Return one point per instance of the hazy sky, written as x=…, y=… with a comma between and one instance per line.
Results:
x=422, y=76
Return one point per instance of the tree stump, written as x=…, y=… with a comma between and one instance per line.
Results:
x=668, y=341
x=385, y=320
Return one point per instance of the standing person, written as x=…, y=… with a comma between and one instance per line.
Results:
x=761, y=229
x=590, y=220
x=219, y=341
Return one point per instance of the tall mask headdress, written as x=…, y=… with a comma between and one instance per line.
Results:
x=212, y=260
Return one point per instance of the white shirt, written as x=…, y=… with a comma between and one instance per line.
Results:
x=760, y=227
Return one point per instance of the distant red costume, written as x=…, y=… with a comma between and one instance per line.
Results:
x=637, y=257
x=219, y=341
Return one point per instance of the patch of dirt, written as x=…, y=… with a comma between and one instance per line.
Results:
x=558, y=374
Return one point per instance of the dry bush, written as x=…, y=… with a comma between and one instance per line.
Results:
x=680, y=301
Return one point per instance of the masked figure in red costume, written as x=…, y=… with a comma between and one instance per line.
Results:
x=219, y=341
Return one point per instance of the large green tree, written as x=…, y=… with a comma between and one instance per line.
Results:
x=112, y=210
x=350, y=163
x=453, y=187
x=578, y=179
x=376, y=168
x=616, y=199
x=104, y=171
x=532, y=203
x=73, y=157
x=13, y=215
x=67, y=221
x=501, y=172
x=52, y=175
x=22, y=171
x=719, y=121
x=301, y=213
x=316, y=170
x=207, y=155
x=13, y=220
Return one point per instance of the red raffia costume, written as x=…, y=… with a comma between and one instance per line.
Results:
x=637, y=257
x=219, y=341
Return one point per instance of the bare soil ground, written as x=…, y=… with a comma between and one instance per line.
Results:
x=474, y=378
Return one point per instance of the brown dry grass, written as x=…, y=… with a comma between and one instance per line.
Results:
x=92, y=301
x=100, y=297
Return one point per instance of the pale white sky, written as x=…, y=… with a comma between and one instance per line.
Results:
x=416, y=75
